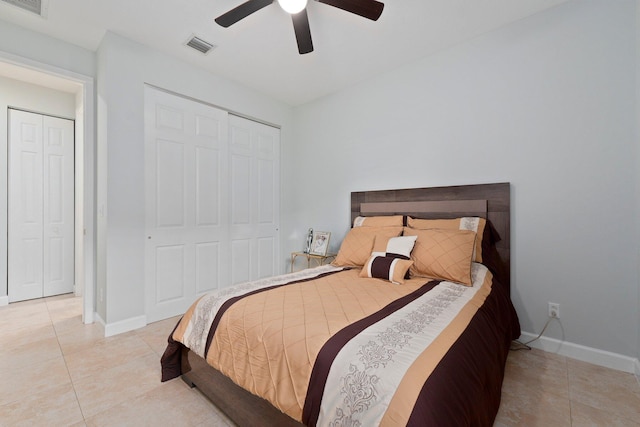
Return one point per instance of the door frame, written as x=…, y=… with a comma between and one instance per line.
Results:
x=85, y=201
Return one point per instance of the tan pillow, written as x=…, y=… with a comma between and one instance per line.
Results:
x=443, y=254
x=387, y=268
x=358, y=243
x=476, y=224
x=379, y=221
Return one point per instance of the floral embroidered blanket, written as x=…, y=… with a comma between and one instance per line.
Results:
x=329, y=348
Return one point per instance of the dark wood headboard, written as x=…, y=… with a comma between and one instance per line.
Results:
x=490, y=201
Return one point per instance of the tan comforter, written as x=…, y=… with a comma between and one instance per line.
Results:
x=328, y=347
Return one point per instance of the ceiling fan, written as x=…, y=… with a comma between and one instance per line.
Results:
x=370, y=9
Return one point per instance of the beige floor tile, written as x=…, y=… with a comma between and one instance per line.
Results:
x=83, y=337
x=523, y=405
x=26, y=355
x=541, y=370
x=65, y=313
x=105, y=354
x=72, y=324
x=19, y=335
x=171, y=403
x=29, y=305
x=605, y=389
x=586, y=416
x=220, y=422
x=31, y=314
x=55, y=407
x=122, y=382
x=20, y=384
x=156, y=334
x=61, y=318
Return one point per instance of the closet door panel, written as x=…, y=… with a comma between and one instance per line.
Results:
x=255, y=197
x=185, y=148
x=59, y=205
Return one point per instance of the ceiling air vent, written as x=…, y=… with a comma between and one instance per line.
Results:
x=39, y=7
x=200, y=45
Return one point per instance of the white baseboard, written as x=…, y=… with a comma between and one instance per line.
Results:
x=585, y=354
x=4, y=300
x=638, y=370
x=125, y=325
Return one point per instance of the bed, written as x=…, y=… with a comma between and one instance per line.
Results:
x=411, y=324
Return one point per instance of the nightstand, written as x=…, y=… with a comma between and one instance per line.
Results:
x=319, y=259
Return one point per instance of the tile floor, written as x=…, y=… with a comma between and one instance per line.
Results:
x=55, y=371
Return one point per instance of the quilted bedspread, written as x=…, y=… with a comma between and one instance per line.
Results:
x=327, y=347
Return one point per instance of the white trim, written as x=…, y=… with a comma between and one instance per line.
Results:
x=638, y=370
x=200, y=101
x=89, y=208
x=88, y=99
x=21, y=61
x=583, y=353
x=4, y=300
x=125, y=325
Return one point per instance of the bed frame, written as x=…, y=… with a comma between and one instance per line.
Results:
x=491, y=201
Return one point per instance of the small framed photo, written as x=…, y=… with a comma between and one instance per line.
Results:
x=320, y=243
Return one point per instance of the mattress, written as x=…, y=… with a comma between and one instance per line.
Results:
x=328, y=347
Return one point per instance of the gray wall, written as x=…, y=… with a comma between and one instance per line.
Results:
x=546, y=103
x=637, y=180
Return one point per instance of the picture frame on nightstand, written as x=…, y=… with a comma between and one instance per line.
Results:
x=320, y=243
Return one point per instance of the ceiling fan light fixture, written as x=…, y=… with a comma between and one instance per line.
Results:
x=293, y=6
x=370, y=9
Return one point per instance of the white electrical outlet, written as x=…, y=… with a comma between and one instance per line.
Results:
x=554, y=310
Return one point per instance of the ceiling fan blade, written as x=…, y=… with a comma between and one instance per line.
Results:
x=242, y=11
x=303, y=32
x=370, y=9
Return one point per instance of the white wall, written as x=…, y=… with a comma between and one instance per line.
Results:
x=38, y=47
x=123, y=69
x=29, y=97
x=546, y=103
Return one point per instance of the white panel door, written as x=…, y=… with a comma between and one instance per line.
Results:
x=255, y=195
x=186, y=155
x=59, y=209
x=41, y=206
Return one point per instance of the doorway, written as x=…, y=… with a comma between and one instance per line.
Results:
x=40, y=205
x=81, y=86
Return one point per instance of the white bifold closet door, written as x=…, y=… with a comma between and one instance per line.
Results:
x=254, y=199
x=210, y=219
x=41, y=206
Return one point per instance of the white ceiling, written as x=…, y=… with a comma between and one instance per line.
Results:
x=260, y=51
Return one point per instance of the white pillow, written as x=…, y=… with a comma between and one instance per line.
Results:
x=402, y=246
